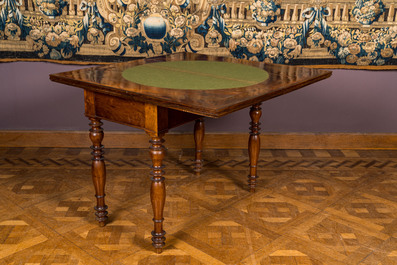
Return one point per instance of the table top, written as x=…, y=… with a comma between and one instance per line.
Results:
x=202, y=100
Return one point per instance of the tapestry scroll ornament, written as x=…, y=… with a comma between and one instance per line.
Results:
x=341, y=33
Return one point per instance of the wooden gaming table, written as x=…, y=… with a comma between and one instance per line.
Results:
x=160, y=93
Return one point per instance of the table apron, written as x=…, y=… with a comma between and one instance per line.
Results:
x=146, y=116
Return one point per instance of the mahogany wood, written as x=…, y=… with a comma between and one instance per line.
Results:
x=176, y=118
x=134, y=113
x=89, y=103
x=254, y=145
x=120, y=110
x=199, y=130
x=98, y=170
x=109, y=96
x=108, y=80
x=157, y=190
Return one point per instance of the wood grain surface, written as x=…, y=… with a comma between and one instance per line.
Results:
x=325, y=207
x=213, y=103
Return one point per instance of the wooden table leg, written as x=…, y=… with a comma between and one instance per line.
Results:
x=157, y=190
x=254, y=145
x=198, y=139
x=98, y=170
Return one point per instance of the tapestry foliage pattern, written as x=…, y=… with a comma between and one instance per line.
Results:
x=323, y=32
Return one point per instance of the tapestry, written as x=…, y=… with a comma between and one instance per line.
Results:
x=334, y=33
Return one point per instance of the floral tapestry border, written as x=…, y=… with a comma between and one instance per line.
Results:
x=358, y=34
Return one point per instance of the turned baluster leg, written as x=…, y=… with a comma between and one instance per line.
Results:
x=198, y=139
x=98, y=170
x=254, y=145
x=157, y=191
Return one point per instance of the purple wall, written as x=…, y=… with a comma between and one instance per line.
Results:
x=349, y=101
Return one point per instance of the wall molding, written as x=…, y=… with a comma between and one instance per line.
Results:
x=211, y=140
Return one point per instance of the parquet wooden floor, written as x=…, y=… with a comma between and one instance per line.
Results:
x=311, y=207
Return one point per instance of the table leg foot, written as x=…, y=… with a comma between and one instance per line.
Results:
x=159, y=250
x=158, y=240
x=254, y=144
x=98, y=170
x=157, y=191
x=199, y=131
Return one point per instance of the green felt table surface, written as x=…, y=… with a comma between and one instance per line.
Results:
x=195, y=75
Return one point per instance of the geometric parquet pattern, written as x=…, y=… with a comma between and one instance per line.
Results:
x=310, y=207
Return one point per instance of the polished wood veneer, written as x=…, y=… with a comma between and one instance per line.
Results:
x=210, y=103
x=156, y=110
